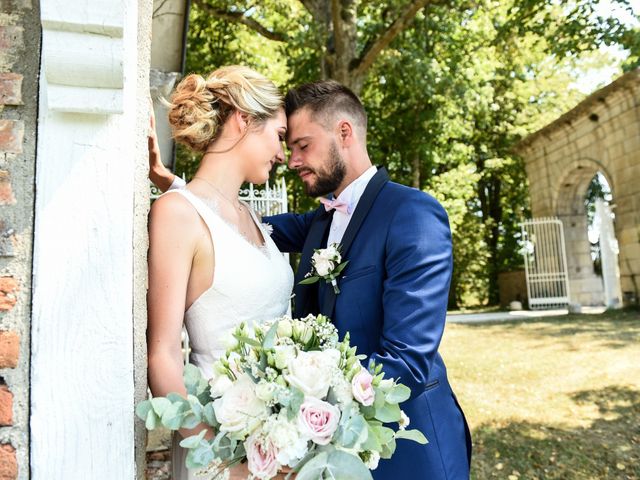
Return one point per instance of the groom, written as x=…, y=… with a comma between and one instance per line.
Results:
x=393, y=292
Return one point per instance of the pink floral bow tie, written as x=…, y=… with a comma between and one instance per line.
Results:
x=338, y=205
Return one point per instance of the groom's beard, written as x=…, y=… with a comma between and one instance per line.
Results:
x=330, y=177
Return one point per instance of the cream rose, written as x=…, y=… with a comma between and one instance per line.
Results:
x=318, y=420
x=313, y=371
x=239, y=410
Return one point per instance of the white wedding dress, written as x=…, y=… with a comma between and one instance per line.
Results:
x=250, y=284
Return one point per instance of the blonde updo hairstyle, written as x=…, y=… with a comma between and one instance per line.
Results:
x=199, y=108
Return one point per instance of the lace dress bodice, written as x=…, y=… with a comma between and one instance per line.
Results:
x=251, y=284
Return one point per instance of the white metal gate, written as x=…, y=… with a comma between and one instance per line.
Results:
x=545, y=263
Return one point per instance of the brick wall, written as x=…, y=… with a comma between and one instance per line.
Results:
x=19, y=65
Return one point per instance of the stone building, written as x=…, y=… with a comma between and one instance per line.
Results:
x=601, y=134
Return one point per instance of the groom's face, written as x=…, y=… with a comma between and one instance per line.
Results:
x=314, y=154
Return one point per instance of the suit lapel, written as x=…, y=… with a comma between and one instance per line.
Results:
x=304, y=293
x=364, y=205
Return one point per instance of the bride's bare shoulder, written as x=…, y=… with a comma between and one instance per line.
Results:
x=173, y=208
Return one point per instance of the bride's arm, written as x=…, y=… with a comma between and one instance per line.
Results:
x=171, y=252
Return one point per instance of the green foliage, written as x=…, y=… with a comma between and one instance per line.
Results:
x=447, y=99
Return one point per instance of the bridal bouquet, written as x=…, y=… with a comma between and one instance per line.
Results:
x=287, y=393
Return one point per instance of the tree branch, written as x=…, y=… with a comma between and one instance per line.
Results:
x=372, y=51
x=241, y=17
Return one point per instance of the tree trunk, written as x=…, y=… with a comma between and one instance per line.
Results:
x=415, y=171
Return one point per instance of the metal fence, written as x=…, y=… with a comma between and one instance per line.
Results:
x=545, y=263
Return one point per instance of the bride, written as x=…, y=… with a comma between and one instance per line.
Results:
x=212, y=264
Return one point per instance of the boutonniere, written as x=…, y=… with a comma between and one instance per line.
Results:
x=326, y=265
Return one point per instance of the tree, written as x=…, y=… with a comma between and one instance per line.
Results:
x=449, y=86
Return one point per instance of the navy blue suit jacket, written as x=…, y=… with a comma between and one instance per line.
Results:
x=393, y=301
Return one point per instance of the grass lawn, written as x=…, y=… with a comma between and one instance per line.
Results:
x=550, y=398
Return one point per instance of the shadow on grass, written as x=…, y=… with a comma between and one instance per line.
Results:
x=607, y=449
x=618, y=327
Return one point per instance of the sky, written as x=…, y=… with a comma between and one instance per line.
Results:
x=593, y=79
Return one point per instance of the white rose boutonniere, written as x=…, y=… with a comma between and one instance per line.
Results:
x=326, y=264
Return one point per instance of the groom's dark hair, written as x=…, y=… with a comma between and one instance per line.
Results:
x=324, y=99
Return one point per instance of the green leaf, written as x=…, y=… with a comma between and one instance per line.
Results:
x=372, y=442
x=309, y=280
x=249, y=341
x=296, y=398
x=384, y=434
x=175, y=397
x=314, y=468
x=334, y=464
x=193, y=441
x=270, y=338
x=160, y=404
x=344, y=466
x=388, y=449
x=190, y=421
x=200, y=457
x=209, y=415
x=398, y=394
x=194, y=382
x=339, y=269
x=195, y=405
x=173, y=415
x=143, y=408
x=415, y=435
x=353, y=430
x=390, y=412
x=152, y=420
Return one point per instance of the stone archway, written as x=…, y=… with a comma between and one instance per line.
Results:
x=569, y=206
x=601, y=134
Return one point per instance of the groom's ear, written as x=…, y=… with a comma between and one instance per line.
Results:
x=345, y=132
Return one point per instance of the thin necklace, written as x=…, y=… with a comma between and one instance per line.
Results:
x=238, y=205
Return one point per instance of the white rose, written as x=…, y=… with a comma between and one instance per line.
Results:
x=323, y=266
x=239, y=410
x=265, y=391
x=219, y=383
x=312, y=372
x=332, y=253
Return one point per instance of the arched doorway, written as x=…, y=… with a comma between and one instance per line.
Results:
x=584, y=205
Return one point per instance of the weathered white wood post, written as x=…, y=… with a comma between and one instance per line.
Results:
x=88, y=361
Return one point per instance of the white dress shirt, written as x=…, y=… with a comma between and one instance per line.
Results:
x=351, y=196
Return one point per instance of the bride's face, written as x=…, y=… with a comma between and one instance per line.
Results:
x=265, y=148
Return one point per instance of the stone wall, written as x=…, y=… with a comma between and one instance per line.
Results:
x=601, y=134
x=19, y=64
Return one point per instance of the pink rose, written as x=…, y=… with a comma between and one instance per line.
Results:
x=362, y=387
x=261, y=455
x=318, y=420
